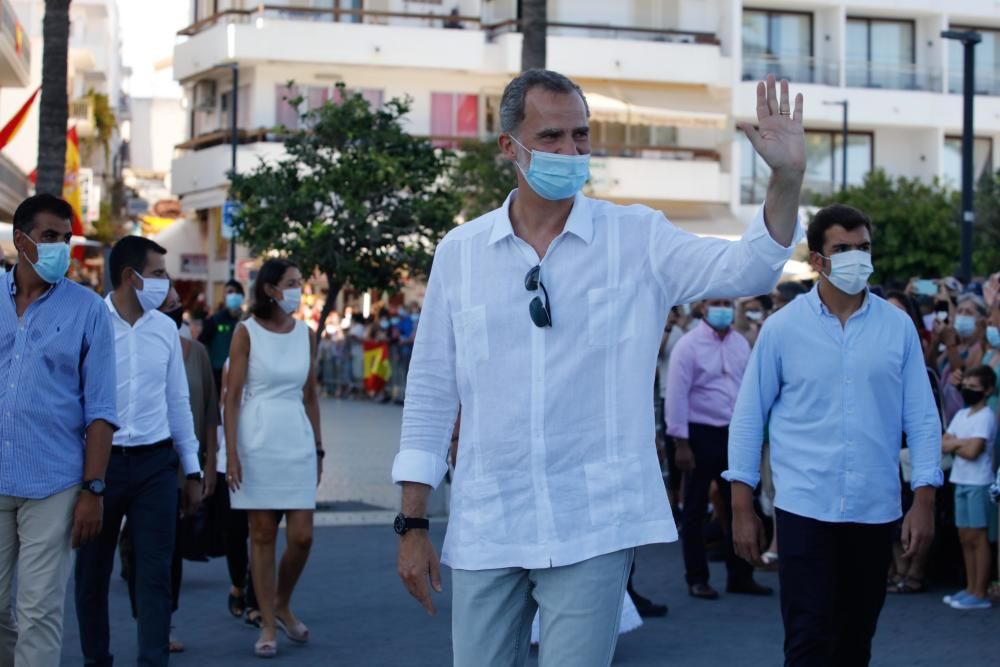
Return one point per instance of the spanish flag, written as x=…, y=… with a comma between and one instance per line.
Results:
x=377, y=367
x=71, y=185
x=14, y=124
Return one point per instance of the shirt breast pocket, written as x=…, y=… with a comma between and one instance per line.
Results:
x=472, y=345
x=611, y=315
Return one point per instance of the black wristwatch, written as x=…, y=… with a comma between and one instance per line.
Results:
x=94, y=486
x=195, y=476
x=404, y=524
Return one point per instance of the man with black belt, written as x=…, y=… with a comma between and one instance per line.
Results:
x=157, y=431
x=703, y=379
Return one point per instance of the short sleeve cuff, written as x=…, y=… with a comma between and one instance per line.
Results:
x=765, y=247
x=935, y=479
x=109, y=415
x=677, y=431
x=750, y=479
x=417, y=465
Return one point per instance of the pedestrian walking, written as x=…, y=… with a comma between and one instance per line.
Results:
x=217, y=331
x=704, y=376
x=274, y=447
x=838, y=375
x=157, y=433
x=55, y=433
x=543, y=319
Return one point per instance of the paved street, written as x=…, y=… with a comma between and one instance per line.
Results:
x=360, y=615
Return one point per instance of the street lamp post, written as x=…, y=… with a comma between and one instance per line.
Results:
x=969, y=39
x=234, y=139
x=843, y=159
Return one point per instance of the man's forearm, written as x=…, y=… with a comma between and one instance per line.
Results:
x=415, y=497
x=742, y=496
x=924, y=496
x=98, y=450
x=781, y=207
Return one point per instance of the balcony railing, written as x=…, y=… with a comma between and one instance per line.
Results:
x=865, y=74
x=10, y=27
x=795, y=69
x=987, y=82
x=431, y=20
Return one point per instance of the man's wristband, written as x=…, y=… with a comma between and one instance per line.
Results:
x=320, y=452
x=195, y=476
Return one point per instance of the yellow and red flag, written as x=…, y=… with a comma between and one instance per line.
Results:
x=71, y=185
x=14, y=124
x=377, y=367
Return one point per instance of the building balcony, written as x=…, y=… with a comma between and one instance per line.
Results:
x=15, y=49
x=865, y=74
x=797, y=70
x=987, y=82
x=438, y=41
x=14, y=186
x=658, y=174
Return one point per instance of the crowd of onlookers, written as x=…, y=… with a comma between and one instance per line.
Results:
x=959, y=330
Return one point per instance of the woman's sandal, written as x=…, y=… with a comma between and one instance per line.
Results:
x=237, y=605
x=298, y=632
x=252, y=618
x=265, y=649
x=907, y=586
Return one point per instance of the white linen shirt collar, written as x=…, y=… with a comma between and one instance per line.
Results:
x=556, y=462
x=153, y=394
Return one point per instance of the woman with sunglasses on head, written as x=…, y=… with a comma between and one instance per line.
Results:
x=274, y=449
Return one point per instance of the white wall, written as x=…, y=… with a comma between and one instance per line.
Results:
x=158, y=124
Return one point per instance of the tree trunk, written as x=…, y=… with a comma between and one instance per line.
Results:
x=534, y=23
x=55, y=100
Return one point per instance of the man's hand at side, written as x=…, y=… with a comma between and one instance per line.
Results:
x=419, y=567
x=749, y=537
x=88, y=517
x=918, y=525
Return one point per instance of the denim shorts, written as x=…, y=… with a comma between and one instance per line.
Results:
x=973, y=506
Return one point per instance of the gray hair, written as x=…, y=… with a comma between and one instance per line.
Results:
x=975, y=300
x=512, y=102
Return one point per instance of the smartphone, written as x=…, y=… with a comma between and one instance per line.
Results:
x=926, y=287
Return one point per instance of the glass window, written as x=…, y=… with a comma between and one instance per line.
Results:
x=453, y=115
x=778, y=43
x=823, y=160
x=982, y=159
x=987, y=62
x=880, y=54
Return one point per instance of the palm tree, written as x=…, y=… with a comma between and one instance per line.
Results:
x=533, y=26
x=55, y=99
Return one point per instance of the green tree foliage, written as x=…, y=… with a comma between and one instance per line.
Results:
x=105, y=124
x=355, y=197
x=915, y=225
x=481, y=177
x=986, y=240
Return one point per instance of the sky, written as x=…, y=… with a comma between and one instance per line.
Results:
x=149, y=31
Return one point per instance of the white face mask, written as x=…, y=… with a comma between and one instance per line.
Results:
x=849, y=271
x=290, y=300
x=153, y=293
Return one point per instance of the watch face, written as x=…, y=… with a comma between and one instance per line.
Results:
x=399, y=524
x=95, y=486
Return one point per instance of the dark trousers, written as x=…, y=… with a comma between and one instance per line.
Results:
x=710, y=445
x=143, y=488
x=127, y=550
x=833, y=578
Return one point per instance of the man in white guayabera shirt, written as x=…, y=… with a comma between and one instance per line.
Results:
x=542, y=320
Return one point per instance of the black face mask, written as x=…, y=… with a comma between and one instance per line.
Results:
x=972, y=396
x=177, y=315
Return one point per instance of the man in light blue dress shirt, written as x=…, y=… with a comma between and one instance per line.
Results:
x=841, y=373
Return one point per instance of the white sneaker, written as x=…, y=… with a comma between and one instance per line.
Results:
x=971, y=602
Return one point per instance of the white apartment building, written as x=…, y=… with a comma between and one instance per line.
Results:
x=94, y=63
x=15, y=72
x=667, y=80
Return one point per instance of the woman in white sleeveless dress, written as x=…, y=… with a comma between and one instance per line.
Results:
x=274, y=450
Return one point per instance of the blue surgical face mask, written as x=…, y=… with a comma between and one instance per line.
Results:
x=234, y=301
x=553, y=176
x=394, y=321
x=993, y=336
x=719, y=317
x=415, y=317
x=965, y=325
x=53, y=260
x=384, y=324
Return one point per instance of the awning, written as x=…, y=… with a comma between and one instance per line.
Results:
x=187, y=253
x=612, y=110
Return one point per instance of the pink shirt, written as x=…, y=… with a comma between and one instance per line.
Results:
x=704, y=378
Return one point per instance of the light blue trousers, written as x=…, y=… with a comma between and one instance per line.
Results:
x=579, y=609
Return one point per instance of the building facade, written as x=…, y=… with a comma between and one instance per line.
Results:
x=667, y=81
x=15, y=75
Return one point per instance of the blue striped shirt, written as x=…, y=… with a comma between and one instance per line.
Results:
x=57, y=375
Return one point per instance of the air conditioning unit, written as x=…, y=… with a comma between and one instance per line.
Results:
x=204, y=95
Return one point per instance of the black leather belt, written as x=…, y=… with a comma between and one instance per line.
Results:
x=141, y=450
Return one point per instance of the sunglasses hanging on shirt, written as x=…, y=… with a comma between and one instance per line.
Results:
x=539, y=309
